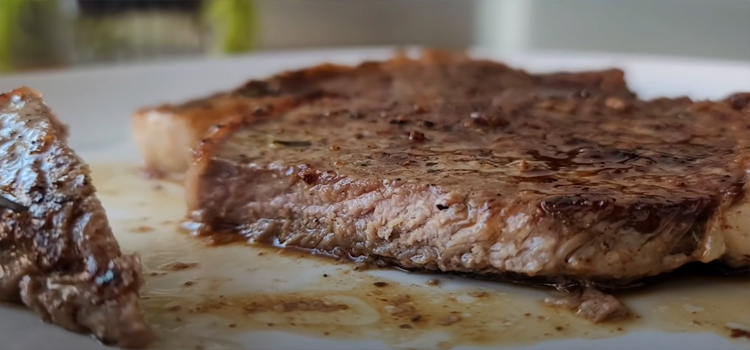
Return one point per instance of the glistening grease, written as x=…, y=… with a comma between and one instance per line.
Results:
x=202, y=296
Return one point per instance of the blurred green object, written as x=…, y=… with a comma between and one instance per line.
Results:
x=232, y=24
x=38, y=33
x=8, y=10
x=21, y=42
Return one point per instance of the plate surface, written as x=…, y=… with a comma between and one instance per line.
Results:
x=97, y=103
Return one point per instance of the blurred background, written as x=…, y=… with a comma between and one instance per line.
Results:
x=52, y=34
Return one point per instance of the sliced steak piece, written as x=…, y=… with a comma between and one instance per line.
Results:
x=166, y=135
x=458, y=168
x=57, y=252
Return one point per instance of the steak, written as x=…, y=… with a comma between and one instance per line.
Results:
x=167, y=134
x=58, y=255
x=458, y=165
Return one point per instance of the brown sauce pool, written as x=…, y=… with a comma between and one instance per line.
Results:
x=199, y=296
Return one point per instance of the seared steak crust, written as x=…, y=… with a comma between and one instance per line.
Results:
x=460, y=165
x=167, y=134
x=57, y=252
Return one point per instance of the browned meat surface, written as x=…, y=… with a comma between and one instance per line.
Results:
x=469, y=166
x=166, y=135
x=57, y=252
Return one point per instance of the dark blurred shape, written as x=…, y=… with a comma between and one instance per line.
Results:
x=105, y=7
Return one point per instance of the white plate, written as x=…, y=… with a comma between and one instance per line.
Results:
x=97, y=103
